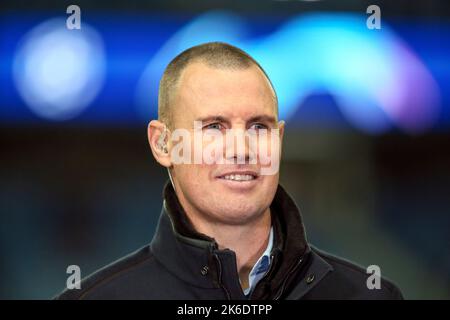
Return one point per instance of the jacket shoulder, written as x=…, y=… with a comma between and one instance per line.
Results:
x=104, y=282
x=349, y=280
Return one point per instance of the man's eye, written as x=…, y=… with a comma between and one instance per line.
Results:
x=258, y=126
x=214, y=126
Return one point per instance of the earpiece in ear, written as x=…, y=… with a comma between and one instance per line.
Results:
x=161, y=143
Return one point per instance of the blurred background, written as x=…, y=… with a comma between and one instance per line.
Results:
x=366, y=154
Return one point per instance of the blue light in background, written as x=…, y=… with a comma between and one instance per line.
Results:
x=211, y=26
x=58, y=72
x=374, y=78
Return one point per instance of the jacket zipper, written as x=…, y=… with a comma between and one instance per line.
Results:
x=280, y=292
x=219, y=264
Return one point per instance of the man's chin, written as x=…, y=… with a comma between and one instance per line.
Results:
x=239, y=214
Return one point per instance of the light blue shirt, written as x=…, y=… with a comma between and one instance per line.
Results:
x=261, y=266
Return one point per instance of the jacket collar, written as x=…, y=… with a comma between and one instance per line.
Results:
x=196, y=259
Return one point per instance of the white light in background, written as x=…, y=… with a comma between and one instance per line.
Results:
x=58, y=72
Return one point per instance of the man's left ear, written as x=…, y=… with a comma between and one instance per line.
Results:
x=281, y=128
x=281, y=134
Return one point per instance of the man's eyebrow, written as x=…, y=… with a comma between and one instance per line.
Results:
x=212, y=119
x=259, y=118
x=263, y=118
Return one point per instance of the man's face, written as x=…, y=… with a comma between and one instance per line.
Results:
x=225, y=99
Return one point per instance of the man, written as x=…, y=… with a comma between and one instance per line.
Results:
x=226, y=231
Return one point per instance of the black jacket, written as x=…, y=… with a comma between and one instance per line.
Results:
x=180, y=263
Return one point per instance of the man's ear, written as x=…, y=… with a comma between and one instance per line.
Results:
x=281, y=128
x=159, y=140
x=281, y=133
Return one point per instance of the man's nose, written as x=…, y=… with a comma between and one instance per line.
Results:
x=237, y=146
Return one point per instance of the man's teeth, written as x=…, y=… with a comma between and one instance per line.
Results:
x=239, y=177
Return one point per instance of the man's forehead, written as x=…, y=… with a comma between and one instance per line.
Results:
x=202, y=74
x=207, y=91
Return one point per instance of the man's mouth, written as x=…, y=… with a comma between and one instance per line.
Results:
x=238, y=177
x=240, y=181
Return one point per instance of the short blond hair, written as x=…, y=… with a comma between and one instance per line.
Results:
x=214, y=54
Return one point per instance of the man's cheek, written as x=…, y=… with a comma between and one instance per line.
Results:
x=269, y=152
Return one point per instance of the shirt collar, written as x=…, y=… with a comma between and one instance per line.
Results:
x=261, y=266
